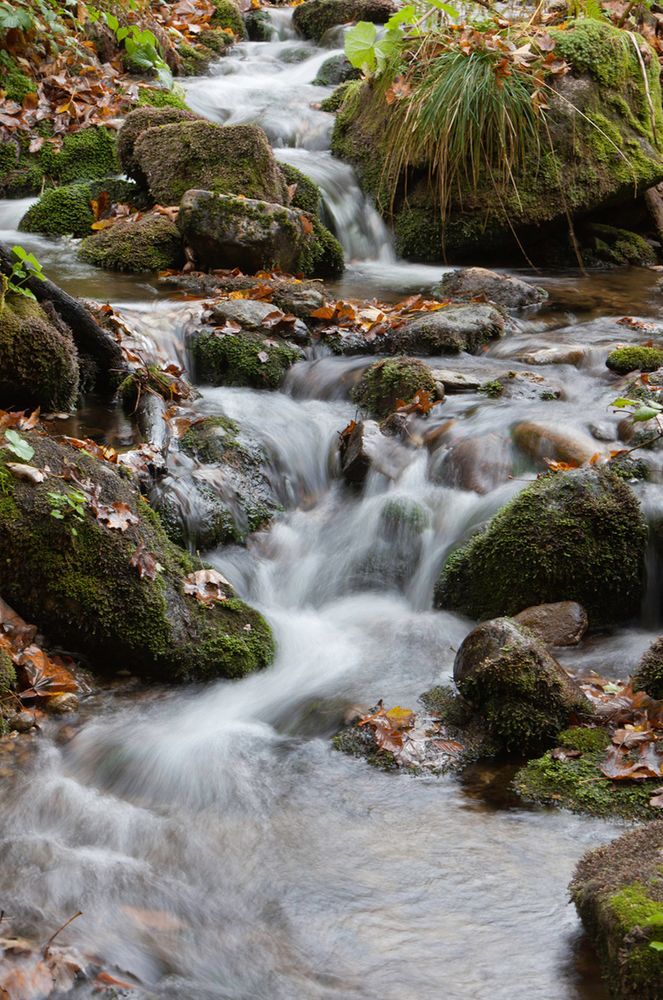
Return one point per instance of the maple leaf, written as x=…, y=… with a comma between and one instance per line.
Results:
x=207, y=586
x=145, y=563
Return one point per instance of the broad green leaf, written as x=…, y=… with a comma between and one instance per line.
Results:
x=386, y=46
x=646, y=412
x=656, y=945
x=112, y=22
x=121, y=33
x=406, y=15
x=360, y=45
x=18, y=446
x=446, y=7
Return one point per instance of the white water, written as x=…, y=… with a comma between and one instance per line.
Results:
x=215, y=842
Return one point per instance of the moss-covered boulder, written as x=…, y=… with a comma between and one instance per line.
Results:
x=386, y=382
x=599, y=147
x=232, y=159
x=321, y=255
x=302, y=191
x=245, y=358
x=335, y=70
x=258, y=25
x=602, y=244
x=135, y=125
x=159, y=97
x=570, y=777
x=576, y=535
x=314, y=17
x=80, y=156
x=117, y=594
x=520, y=691
x=648, y=674
x=151, y=243
x=618, y=893
x=60, y=212
x=624, y=360
x=38, y=358
x=228, y=15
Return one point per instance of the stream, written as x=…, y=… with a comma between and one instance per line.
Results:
x=217, y=845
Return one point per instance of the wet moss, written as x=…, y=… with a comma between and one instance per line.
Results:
x=241, y=359
x=385, y=382
x=64, y=211
x=152, y=243
x=85, y=155
x=307, y=194
x=569, y=536
x=135, y=125
x=624, y=360
x=38, y=361
x=157, y=97
x=227, y=15
x=334, y=102
x=16, y=84
x=258, y=25
x=209, y=439
x=321, y=255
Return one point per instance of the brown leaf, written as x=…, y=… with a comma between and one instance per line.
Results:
x=207, y=586
x=145, y=563
x=44, y=676
x=28, y=473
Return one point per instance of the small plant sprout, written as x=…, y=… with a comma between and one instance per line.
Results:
x=25, y=266
x=18, y=446
x=69, y=506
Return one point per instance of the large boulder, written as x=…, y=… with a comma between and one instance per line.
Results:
x=151, y=243
x=599, y=147
x=576, y=535
x=314, y=17
x=508, y=676
x=386, y=382
x=104, y=580
x=241, y=357
x=648, y=674
x=478, y=282
x=449, y=330
x=135, y=125
x=224, y=231
x=226, y=159
x=68, y=210
x=618, y=893
x=38, y=357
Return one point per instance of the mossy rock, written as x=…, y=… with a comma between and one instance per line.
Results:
x=159, y=97
x=241, y=359
x=233, y=159
x=228, y=15
x=334, y=102
x=336, y=70
x=321, y=255
x=15, y=83
x=64, y=211
x=307, y=195
x=151, y=243
x=624, y=360
x=385, y=382
x=618, y=893
x=577, y=783
x=38, y=359
x=599, y=149
x=135, y=125
x=610, y=245
x=258, y=25
x=577, y=536
x=83, y=590
x=508, y=676
x=85, y=155
x=315, y=17
x=648, y=674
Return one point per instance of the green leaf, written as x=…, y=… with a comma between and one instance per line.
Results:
x=646, y=412
x=360, y=45
x=386, y=46
x=121, y=33
x=406, y=15
x=112, y=21
x=622, y=403
x=18, y=446
x=656, y=945
x=446, y=7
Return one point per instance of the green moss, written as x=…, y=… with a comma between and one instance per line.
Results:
x=633, y=908
x=38, y=362
x=418, y=234
x=227, y=15
x=648, y=675
x=307, y=193
x=195, y=59
x=334, y=102
x=585, y=739
x=60, y=212
x=624, y=360
x=85, y=155
x=17, y=85
x=209, y=439
x=321, y=255
x=493, y=389
x=157, y=97
x=7, y=674
x=596, y=47
x=578, y=785
x=569, y=536
x=314, y=17
x=152, y=243
x=385, y=382
x=336, y=70
x=258, y=25
x=238, y=359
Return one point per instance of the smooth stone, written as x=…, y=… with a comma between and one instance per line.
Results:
x=504, y=289
x=541, y=441
x=560, y=624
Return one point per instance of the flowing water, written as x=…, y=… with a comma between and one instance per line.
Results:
x=215, y=842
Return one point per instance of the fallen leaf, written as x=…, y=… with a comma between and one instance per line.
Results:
x=28, y=473
x=207, y=586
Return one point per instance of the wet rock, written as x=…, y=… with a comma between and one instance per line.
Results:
x=21, y=722
x=576, y=535
x=367, y=449
x=228, y=159
x=512, y=681
x=62, y=704
x=252, y=315
x=386, y=382
x=561, y=624
x=541, y=441
x=624, y=360
x=135, y=125
x=449, y=330
x=618, y=893
x=569, y=354
x=335, y=70
x=648, y=674
x=300, y=298
x=503, y=289
x=520, y=385
x=259, y=26
x=116, y=595
x=151, y=243
x=314, y=17
x=245, y=358
x=453, y=381
x=602, y=432
x=303, y=192
x=38, y=359
x=478, y=463
x=610, y=245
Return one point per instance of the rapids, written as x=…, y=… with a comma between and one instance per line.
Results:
x=218, y=846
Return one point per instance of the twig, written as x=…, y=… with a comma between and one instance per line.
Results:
x=52, y=938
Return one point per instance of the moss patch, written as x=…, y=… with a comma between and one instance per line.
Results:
x=64, y=211
x=307, y=193
x=157, y=97
x=152, y=243
x=624, y=360
x=321, y=255
x=241, y=359
x=386, y=382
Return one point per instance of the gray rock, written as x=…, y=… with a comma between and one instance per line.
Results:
x=513, y=682
x=366, y=448
x=503, y=289
x=335, y=70
x=560, y=624
x=452, y=381
x=252, y=314
x=449, y=330
x=226, y=232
